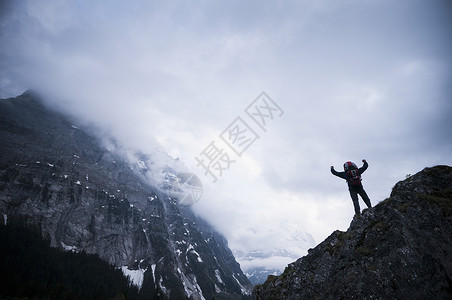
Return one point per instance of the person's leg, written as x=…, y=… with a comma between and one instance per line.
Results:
x=363, y=195
x=354, y=196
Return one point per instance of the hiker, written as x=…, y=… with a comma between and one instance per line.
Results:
x=353, y=176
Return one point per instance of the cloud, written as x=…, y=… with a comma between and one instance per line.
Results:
x=356, y=79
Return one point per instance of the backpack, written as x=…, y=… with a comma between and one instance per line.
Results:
x=353, y=176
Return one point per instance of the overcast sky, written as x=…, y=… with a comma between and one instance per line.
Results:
x=353, y=79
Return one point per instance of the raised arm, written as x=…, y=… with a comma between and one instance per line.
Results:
x=364, y=167
x=338, y=174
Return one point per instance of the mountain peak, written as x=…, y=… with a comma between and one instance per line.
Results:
x=401, y=248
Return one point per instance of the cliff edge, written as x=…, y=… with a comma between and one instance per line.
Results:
x=400, y=249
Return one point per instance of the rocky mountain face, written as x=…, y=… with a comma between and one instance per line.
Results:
x=400, y=249
x=86, y=198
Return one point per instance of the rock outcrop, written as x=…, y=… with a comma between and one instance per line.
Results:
x=400, y=249
x=84, y=197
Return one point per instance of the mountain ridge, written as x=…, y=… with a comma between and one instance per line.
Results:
x=85, y=197
x=400, y=249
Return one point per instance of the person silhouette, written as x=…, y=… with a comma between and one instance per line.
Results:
x=353, y=177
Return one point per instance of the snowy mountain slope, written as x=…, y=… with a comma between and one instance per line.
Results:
x=85, y=197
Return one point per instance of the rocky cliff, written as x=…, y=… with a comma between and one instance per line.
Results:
x=400, y=249
x=85, y=197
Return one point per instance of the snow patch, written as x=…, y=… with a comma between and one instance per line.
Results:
x=217, y=274
x=153, y=274
x=244, y=290
x=191, y=287
x=162, y=287
x=69, y=248
x=135, y=276
x=192, y=250
x=5, y=219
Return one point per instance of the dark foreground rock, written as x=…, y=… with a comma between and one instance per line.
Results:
x=400, y=249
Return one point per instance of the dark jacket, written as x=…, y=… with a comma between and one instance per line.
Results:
x=344, y=176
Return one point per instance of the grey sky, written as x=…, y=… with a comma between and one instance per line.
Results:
x=356, y=79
